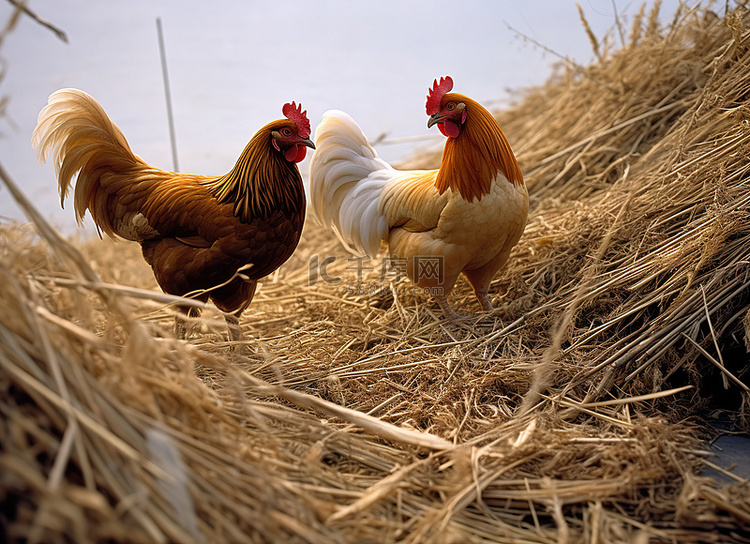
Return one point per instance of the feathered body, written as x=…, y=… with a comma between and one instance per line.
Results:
x=468, y=214
x=205, y=237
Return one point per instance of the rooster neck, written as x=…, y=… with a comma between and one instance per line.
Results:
x=261, y=183
x=472, y=160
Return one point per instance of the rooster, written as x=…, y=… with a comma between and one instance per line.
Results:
x=463, y=218
x=204, y=237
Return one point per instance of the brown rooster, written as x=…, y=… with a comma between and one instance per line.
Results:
x=461, y=219
x=204, y=237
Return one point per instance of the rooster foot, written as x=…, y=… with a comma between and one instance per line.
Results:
x=183, y=325
x=237, y=343
x=484, y=301
x=235, y=331
x=449, y=313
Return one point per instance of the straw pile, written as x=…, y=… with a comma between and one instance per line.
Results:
x=574, y=412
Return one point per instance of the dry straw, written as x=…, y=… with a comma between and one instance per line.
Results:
x=571, y=413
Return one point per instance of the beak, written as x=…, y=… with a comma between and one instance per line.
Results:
x=307, y=142
x=434, y=120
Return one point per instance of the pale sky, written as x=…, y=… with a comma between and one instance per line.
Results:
x=233, y=64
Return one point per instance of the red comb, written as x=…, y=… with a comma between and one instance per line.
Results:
x=294, y=113
x=436, y=94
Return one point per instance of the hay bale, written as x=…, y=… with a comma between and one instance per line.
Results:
x=574, y=412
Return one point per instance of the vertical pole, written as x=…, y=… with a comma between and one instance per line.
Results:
x=168, y=94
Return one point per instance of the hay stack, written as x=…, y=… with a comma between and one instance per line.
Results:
x=572, y=413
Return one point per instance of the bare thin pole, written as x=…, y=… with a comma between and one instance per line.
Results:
x=168, y=94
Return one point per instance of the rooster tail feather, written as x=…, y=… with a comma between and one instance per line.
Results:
x=74, y=129
x=346, y=181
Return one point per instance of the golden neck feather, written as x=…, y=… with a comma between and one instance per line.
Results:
x=471, y=160
x=261, y=182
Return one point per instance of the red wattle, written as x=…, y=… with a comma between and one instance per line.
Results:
x=301, y=152
x=449, y=129
x=290, y=153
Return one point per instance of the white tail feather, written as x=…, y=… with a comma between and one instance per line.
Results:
x=346, y=181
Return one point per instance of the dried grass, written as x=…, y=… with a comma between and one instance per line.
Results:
x=571, y=413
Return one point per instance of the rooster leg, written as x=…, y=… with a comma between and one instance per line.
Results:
x=480, y=278
x=182, y=324
x=482, y=293
x=484, y=300
x=233, y=323
x=180, y=327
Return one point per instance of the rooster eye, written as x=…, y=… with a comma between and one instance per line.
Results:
x=286, y=132
x=450, y=106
